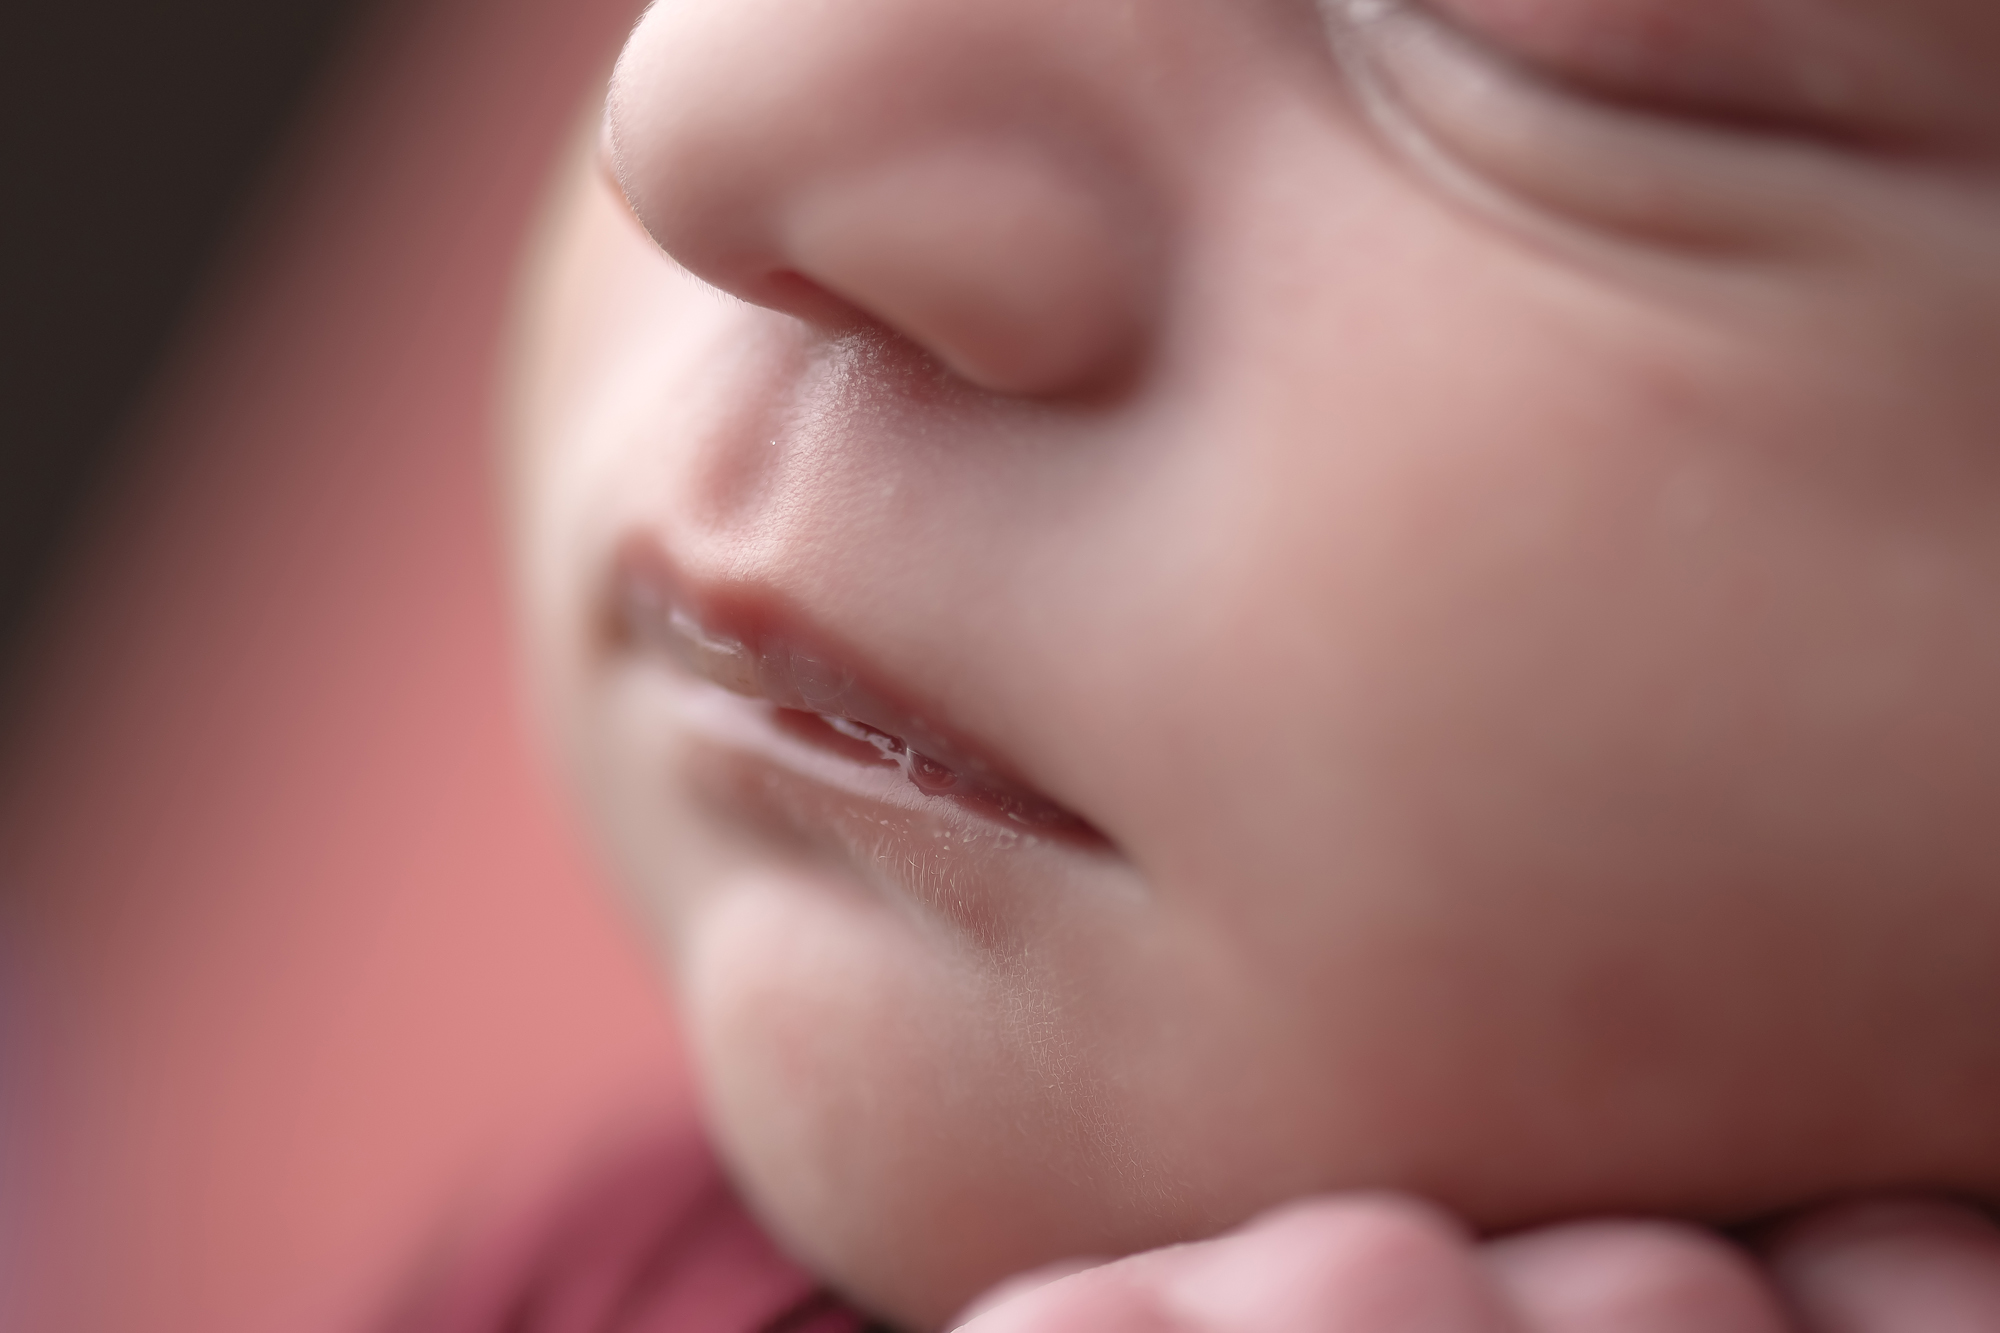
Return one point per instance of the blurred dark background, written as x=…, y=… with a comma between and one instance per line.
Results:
x=135, y=131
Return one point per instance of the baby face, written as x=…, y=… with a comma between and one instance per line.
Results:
x=1259, y=598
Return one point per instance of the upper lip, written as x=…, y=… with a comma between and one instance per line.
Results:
x=749, y=647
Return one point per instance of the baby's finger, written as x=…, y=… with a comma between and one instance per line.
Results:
x=1632, y=1277
x=1891, y=1265
x=1021, y=1284
x=1378, y=1263
x=1375, y=1263
x=1111, y=1299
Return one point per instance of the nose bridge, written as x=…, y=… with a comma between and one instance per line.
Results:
x=970, y=173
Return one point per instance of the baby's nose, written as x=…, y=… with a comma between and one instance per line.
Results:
x=961, y=171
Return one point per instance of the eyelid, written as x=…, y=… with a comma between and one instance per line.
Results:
x=1730, y=58
x=1513, y=140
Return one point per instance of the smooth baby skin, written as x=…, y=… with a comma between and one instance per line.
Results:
x=1492, y=540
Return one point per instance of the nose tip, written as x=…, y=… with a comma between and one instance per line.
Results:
x=1010, y=274
x=941, y=167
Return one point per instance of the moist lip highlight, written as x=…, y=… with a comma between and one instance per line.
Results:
x=814, y=694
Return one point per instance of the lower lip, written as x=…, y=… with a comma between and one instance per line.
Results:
x=800, y=785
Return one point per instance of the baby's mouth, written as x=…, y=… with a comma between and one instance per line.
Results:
x=814, y=696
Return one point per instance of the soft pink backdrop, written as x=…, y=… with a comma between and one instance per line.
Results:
x=316, y=993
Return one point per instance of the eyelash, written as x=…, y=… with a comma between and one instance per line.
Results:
x=1515, y=141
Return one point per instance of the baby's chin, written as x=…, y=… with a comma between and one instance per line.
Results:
x=911, y=1140
x=885, y=1128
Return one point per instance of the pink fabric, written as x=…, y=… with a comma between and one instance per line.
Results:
x=649, y=1242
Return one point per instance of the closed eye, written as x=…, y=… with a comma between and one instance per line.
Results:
x=1653, y=163
x=1731, y=62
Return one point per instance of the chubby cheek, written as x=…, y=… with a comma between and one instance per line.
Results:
x=1576, y=738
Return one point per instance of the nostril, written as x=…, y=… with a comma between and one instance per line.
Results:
x=940, y=170
x=1014, y=273
x=793, y=292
